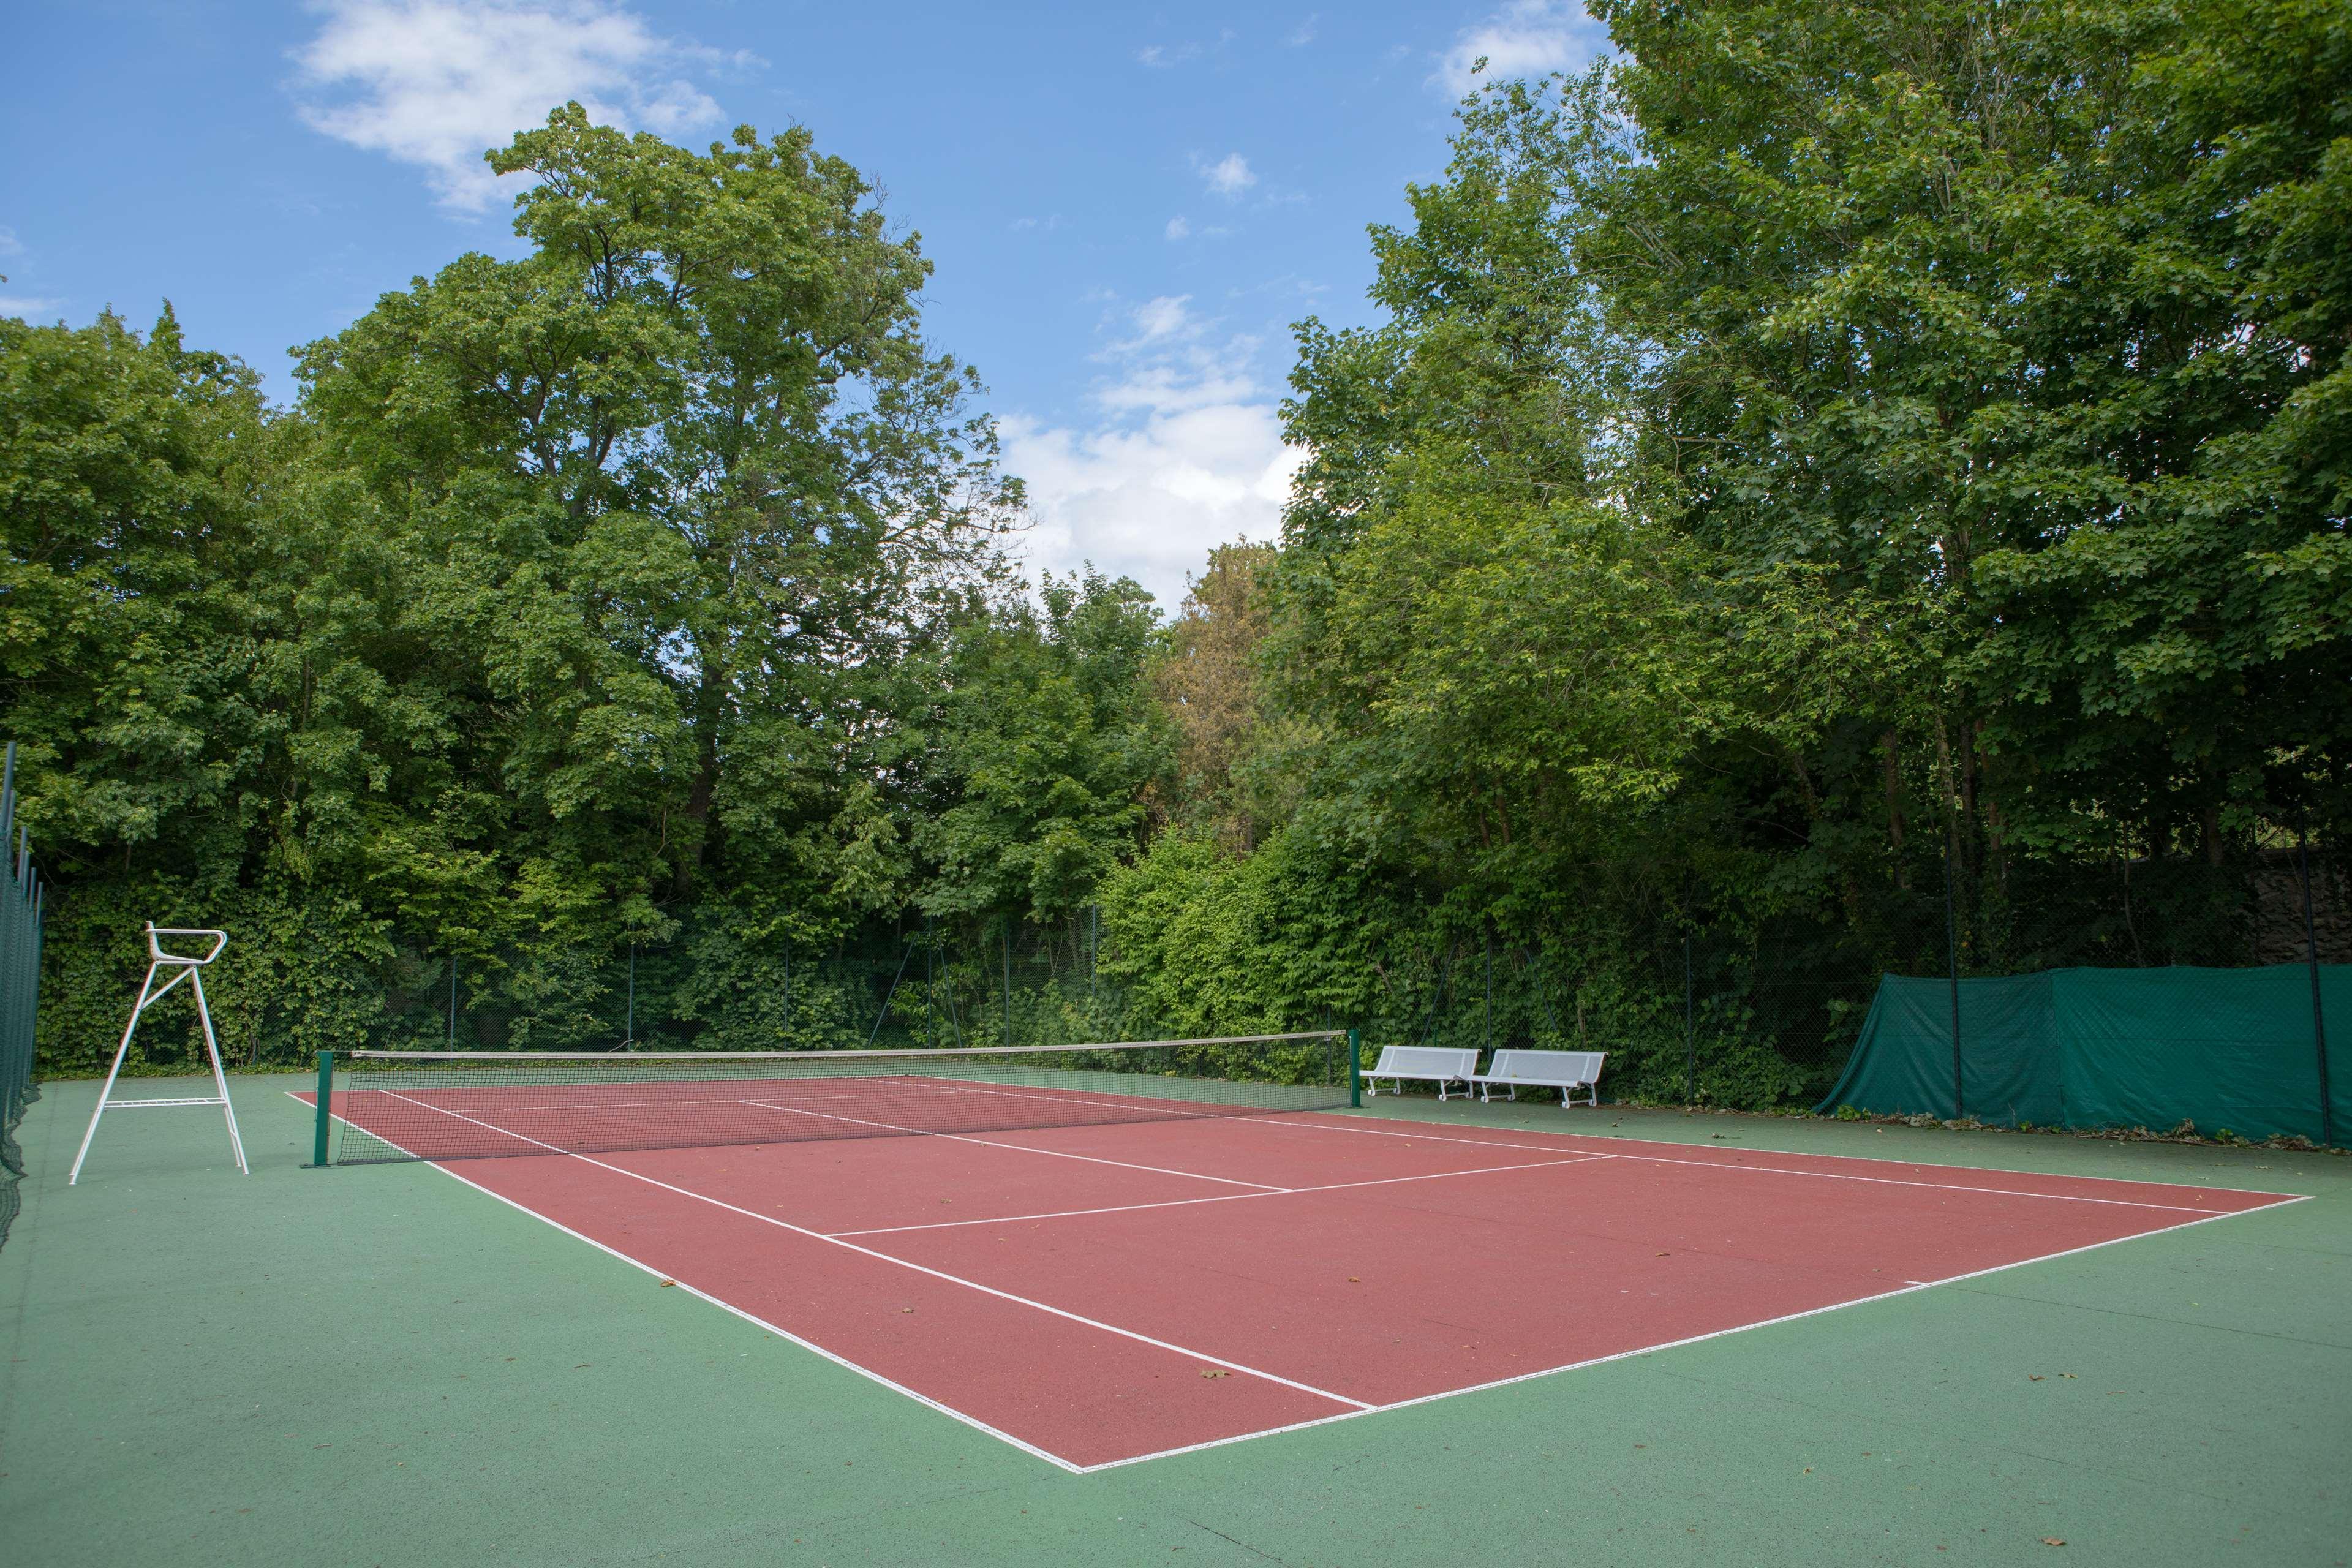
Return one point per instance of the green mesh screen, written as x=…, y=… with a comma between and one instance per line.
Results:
x=2232, y=1048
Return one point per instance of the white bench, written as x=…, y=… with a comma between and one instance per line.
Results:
x=1566, y=1071
x=1441, y=1065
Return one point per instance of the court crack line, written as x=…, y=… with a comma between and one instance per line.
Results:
x=1221, y=1535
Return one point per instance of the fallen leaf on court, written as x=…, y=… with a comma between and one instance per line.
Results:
x=667, y=1283
x=1214, y=1371
x=2033, y=1377
x=1666, y=1255
x=1809, y=1469
x=2054, y=1541
x=906, y=1309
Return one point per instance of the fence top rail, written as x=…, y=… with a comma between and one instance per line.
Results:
x=952, y=1051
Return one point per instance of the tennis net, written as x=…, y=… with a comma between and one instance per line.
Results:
x=455, y=1105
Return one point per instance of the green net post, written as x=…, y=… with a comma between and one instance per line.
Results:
x=1355, y=1068
x=326, y=1105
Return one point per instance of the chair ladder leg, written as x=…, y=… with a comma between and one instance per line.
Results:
x=106, y=1092
x=220, y=1077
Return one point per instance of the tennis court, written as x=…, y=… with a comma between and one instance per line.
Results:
x=1100, y=1264
x=389, y=1364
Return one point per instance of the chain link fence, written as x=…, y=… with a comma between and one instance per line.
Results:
x=1692, y=1007
x=919, y=985
x=20, y=986
x=1765, y=1013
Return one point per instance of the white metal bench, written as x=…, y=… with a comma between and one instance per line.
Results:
x=1441, y=1065
x=1566, y=1071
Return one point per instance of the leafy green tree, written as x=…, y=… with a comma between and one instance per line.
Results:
x=585, y=598
x=751, y=490
x=132, y=478
x=1047, y=747
x=2015, y=307
x=1820, y=442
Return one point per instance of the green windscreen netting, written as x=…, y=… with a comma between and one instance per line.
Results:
x=2091, y=1048
x=20, y=985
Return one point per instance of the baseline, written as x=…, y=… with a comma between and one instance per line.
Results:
x=1909, y=1288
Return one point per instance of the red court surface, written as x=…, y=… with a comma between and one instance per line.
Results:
x=1101, y=1294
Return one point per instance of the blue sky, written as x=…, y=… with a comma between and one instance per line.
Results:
x=1128, y=207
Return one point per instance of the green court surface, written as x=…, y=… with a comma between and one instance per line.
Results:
x=379, y=1366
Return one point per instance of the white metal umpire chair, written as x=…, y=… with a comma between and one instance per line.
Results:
x=191, y=970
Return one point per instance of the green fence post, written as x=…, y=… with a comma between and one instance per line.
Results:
x=1952, y=963
x=2311, y=953
x=1355, y=1068
x=326, y=1111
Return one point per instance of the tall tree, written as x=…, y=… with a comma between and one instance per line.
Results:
x=1047, y=746
x=753, y=488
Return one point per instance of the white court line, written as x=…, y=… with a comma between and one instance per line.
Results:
x=1174, y=1109
x=1220, y=1198
x=1909, y=1287
x=921, y=1268
x=1783, y=1171
x=1019, y=1148
x=974, y=1422
x=1850, y=1159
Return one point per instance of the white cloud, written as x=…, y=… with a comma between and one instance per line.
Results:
x=1189, y=454
x=9, y=244
x=1304, y=34
x=1165, y=317
x=1525, y=37
x=1177, y=227
x=436, y=82
x=1229, y=176
x=29, y=306
x=1159, y=57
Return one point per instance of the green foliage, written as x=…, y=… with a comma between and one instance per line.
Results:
x=600, y=599
x=1820, y=442
x=1816, y=447
x=1047, y=729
